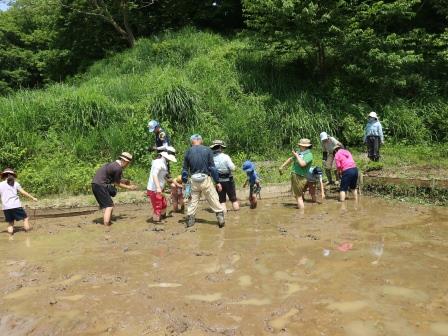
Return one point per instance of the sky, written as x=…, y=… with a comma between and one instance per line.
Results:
x=3, y=5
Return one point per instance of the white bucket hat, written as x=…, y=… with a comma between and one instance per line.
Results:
x=323, y=136
x=125, y=156
x=169, y=157
x=373, y=115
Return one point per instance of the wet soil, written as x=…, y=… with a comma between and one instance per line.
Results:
x=376, y=268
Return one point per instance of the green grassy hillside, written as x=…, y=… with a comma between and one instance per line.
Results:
x=192, y=82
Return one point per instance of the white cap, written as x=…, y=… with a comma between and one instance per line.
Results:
x=373, y=115
x=169, y=157
x=323, y=136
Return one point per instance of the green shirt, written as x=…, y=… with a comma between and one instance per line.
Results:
x=307, y=157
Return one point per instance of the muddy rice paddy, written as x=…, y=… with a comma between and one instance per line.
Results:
x=376, y=268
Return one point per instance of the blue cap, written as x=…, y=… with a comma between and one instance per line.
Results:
x=195, y=137
x=152, y=125
x=248, y=166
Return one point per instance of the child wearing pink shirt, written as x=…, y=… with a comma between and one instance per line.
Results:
x=347, y=166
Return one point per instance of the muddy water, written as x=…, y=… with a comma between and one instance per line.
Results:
x=270, y=271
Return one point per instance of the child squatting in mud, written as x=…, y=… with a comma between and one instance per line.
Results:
x=11, y=205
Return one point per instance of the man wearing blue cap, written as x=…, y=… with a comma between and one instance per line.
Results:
x=199, y=164
x=162, y=139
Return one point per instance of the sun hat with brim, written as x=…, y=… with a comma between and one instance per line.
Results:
x=248, y=166
x=323, y=136
x=218, y=143
x=125, y=156
x=152, y=125
x=373, y=115
x=305, y=142
x=169, y=157
x=9, y=171
x=195, y=137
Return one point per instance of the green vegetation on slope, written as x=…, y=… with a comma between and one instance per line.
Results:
x=192, y=82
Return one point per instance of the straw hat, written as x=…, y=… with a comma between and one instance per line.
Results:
x=9, y=171
x=305, y=142
x=373, y=115
x=168, y=156
x=218, y=143
x=125, y=156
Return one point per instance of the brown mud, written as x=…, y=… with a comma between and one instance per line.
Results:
x=269, y=271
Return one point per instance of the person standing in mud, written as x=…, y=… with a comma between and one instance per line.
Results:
x=162, y=140
x=199, y=164
x=373, y=136
x=104, y=182
x=12, y=208
x=301, y=160
x=156, y=182
x=328, y=145
x=225, y=167
x=349, y=173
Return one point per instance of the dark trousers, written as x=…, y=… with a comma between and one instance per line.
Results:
x=373, y=147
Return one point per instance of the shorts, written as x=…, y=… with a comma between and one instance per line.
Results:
x=15, y=214
x=298, y=184
x=228, y=189
x=158, y=202
x=349, y=179
x=102, y=196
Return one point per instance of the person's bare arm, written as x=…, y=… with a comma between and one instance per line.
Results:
x=23, y=192
x=127, y=186
x=301, y=161
x=287, y=162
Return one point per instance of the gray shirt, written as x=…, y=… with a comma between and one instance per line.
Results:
x=224, y=165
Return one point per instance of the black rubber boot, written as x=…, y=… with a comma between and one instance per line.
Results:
x=190, y=221
x=221, y=219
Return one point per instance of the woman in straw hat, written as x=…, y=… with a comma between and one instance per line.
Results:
x=373, y=136
x=12, y=208
x=302, y=160
x=156, y=183
x=104, y=182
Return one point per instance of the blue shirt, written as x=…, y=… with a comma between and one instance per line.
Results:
x=199, y=159
x=373, y=128
x=252, y=177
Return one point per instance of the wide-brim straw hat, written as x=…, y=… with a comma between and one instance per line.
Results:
x=169, y=157
x=9, y=171
x=218, y=143
x=373, y=115
x=305, y=142
x=125, y=156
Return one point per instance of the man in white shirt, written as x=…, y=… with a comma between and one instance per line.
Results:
x=156, y=183
x=225, y=167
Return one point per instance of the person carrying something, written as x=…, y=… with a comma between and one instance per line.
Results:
x=313, y=177
x=162, y=140
x=156, y=183
x=302, y=160
x=104, y=182
x=225, y=166
x=328, y=145
x=347, y=166
x=199, y=164
x=254, y=182
x=12, y=208
x=373, y=136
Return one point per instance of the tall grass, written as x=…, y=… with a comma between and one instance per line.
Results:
x=192, y=82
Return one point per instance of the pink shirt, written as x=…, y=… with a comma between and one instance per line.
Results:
x=344, y=160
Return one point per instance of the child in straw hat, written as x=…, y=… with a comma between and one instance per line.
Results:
x=11, y=205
